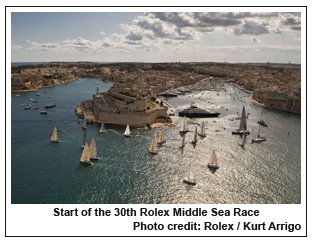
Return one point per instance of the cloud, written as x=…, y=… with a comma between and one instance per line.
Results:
x=252, y=28
x=15, y=46
x=134, y=36
x=43, y=46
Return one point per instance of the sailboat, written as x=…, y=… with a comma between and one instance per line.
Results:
x=102, y=129
x=194, y=140
x=54, y=137
x=202, y=132
x=84, y=140
x=84, y=122
x=213, y=164
x=261, y=122
x=153, y=147
x=243, y=140
x=184, y=128
x=243, y=124
x=259, y=139
x=189, y=178
x=85, y=156
x=93, y=152
x=182, y=142
x=161, y=138
x=127, y=131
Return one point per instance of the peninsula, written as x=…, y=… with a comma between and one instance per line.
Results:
x=136, y=85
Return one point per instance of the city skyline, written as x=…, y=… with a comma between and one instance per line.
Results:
x=156, y=36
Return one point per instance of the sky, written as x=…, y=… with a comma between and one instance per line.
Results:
x=156, y=36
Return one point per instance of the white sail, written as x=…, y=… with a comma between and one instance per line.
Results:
x=127, y=131
x=161, y=138
x=213, y=159
x=189, y=178
x=182, y=142
x=202, y=130
x=153, y=147
x=93, y=152
x=195, y=136
x=54, y=137
x=85, y=156
x=102, y=129
x=184, y=127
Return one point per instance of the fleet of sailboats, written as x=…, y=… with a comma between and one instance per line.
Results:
x=153, y=147
x=127, y=131
x=54, y=137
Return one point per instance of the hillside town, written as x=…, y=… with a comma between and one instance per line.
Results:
x=136, y=85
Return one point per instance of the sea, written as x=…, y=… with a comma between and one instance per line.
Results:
x=42, y=172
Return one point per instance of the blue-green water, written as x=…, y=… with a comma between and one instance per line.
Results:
x=43, y=172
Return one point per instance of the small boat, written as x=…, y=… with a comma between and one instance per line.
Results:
x=127, y=131
x=259, y=139
x=50, y=106
x=243, y=124
x=213, y=164
x=84, y=121
x=184, y=127
x=93, y=152
x=27, y=107
x=43, y=112
x=182, y=142
x=17, y=95
x=102, y=129
x=35, y=100
x=189, y=178
x=38, y=94
x=31, y=99
x=54, y=137
x=261, y=122
x=36, y=107
x=50, y=96
x=161, y=138
x=202, y=132
x=153, y=147
x=45, y=92
x=85, y=156
x=194, y=140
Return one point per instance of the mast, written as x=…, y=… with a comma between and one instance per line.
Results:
x=127, y=131
x=54, y=137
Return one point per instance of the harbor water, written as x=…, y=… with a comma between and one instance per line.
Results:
x=43, y=172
